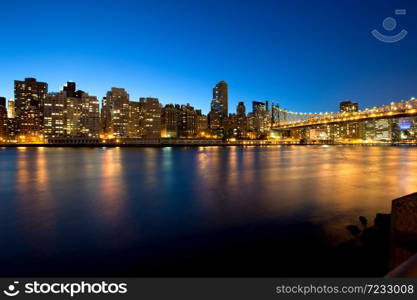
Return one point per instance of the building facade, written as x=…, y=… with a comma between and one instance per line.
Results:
x=117, y=112
x=136, y=119
x=261, y=119
x=11, y=114
x=152, y=118
x=3, y=120
x=220, y=100
x=187, y=126
x=348, y=106
x=53, y=115
x=29, y=97
x=202, y=124
x=169, y=121
x=71, y=113
x=241, y=121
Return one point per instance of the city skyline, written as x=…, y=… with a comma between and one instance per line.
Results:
x=64, y=87
x=209, y=101
x=303, y=56
x=73, y=116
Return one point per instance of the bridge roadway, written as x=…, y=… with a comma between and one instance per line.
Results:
x=294, y=120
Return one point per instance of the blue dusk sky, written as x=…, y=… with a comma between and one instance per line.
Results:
x=306, y=55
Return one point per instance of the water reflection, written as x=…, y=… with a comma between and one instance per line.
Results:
x=126, y=202
x=112, y=189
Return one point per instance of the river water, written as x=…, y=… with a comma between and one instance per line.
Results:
x=203, y=211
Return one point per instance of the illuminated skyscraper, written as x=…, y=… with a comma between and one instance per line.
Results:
x=117, y=104
x=152, y=117
x=170, y=120
x=261, y=118
x=29, y=97
x=136, y=119
x=219, y=104
x=11, y=110
x=258, y=107
x=214, y=121
x=383, y=130
x=53, y=115
x=202, y=123
x=90, y=117
x=369, y=126
x=241, y=109
x=105, y=118
x=3, y=120
x=241, y=121
x=187, y=126
x=405, y=128
x=11, y=129
x=349, y=106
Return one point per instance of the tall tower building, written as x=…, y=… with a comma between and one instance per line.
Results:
x=241, y=120
x=53, y=115
x=136, y=119
x=261, y=117
x=241, y=109
x=187, y=125
x=214, y=121
x=220, y=101
x=258, y=107
x=105, y=118
x=170, y=121
x=202, y=123
x=3, y=120
x=29, y=98
x=117, y=102
x=90, y=116
x=152, y=117
x=11, y=110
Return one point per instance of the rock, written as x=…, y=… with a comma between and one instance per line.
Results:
x=403, y=229
x=383, y=221
x=353, y=229
x=363, y=220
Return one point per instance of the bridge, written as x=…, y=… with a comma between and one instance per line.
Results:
x=289, y=119
x=392, y=123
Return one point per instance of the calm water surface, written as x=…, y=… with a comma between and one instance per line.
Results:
x=273, y=211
